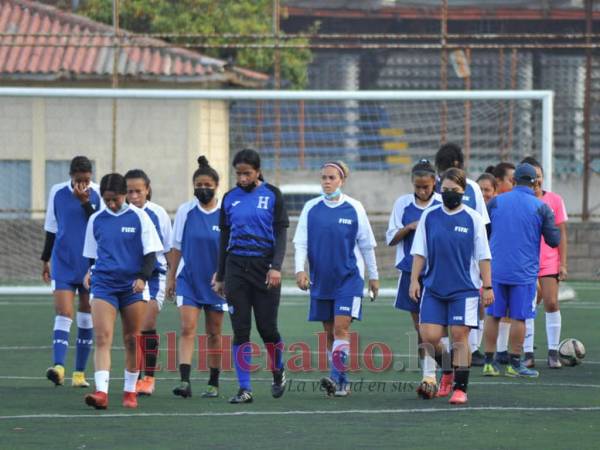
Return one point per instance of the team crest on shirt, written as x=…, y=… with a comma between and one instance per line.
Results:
x=466, y=198
x=345, y=221
x=127, y=229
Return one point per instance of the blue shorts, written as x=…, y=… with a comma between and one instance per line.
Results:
x=403, y=301
x=155, y=289
x=58, y=285
x=118, y=298
x=518, y=301
x=188, y=301
x=462, y=310
x=325, y=310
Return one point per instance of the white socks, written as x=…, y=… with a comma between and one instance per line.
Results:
x=474, y=339
x=553, y=324
x=529, y=335
x=101, y=378
x=429, y=367
x=130, y=380
x=503, y=333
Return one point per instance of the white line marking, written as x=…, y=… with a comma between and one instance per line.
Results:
x=312, y=412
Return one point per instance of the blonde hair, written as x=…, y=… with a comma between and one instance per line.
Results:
x=340, y=166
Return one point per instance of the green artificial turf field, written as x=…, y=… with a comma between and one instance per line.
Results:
x=561, y=409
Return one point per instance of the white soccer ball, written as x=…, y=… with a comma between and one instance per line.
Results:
x=571, y=352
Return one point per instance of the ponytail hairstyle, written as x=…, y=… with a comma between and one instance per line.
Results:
x=251, y=157
x=204, y=168
x=423, y=168
x=114, y=182
x=139, y=173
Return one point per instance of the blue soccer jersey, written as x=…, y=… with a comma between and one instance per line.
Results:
x=196, y=234
x=335, y=236
x=519, y=220
x=66, y=218
x=406, y=211
x=251, y=218
x=118, y=243
x=452, y=243
x=162, y=223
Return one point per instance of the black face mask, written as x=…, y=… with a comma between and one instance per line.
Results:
x=451, y=199
x=204, y=195
x=248, y=188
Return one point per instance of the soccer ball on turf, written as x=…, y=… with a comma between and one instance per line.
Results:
x=571, y=352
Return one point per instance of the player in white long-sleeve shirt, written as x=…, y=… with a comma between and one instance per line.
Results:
x=335, y=235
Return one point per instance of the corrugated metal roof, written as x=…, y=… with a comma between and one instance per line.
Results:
x=71, y=47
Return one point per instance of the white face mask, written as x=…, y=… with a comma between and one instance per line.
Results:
x=333, y=195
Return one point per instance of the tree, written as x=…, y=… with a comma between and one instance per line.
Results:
x=210, y=17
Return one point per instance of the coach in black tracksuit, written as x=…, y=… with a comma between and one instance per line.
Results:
x=253, y=225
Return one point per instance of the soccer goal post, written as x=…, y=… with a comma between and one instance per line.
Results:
x=380, y=134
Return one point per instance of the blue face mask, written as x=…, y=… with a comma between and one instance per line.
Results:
x=334, y=194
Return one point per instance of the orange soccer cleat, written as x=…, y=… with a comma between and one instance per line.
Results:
x=130, y=400
x=98, y=400
x=445, y=385
x=145, y=386
x=458, y=397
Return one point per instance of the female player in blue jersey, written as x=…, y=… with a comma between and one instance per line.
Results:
x=122, y=242
x=70, y=204
x=449, y=156
x=334, y=233
x=253, y=225
x=401, y=231
x=451, y=245
x=139, y=194
x=193, y=262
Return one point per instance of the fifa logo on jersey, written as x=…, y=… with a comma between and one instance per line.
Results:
x=216, y=228
x=263, y=202
x=466, y=198
x=127, y=229
x=345, y=221
x=461, y=229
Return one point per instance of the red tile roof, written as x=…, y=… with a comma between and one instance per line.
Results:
x=66, y=47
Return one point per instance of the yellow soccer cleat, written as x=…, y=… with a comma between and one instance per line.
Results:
x=56, y=374
x=78, y=380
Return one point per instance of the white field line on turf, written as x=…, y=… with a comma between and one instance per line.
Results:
x=461, y=409
x=358, y=380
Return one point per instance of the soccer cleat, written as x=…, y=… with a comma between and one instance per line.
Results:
x=529, y=360
x=491, y=369
x=145, y=386
x=98, y=400
x=342, y=390
x=210, y=392
x=477, y=358
x=329, y=386
x=278, y=385
x=521, y=371
x=78, y=380
x=130, y=400
x=427, y=389
x=56, y=374
x=502, y=358
x=458, y=397
x=445, y=385
x=553, y=361
x=183, y=390
x=243, y=396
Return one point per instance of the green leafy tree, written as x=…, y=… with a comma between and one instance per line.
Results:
x=210, y=17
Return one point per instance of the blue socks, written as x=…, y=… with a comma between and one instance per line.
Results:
x=242, y=358
x=85, y=339
x=60, y=339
